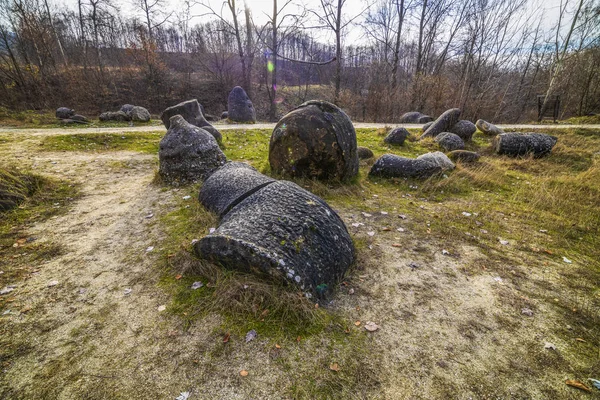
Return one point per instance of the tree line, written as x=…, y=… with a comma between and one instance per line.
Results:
x=491, y=58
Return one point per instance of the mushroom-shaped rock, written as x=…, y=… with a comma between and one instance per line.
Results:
x=450, y=141
x=396, y=136
x=140, y=114
x=114, y=116
x=465, y=129
x=444, y=122
x=393, y=166
x=188, y=153
x=487, y=128
x=318, y=140
x=463, y=156
x=229, y=185
x=520, y=144
x=286, y=232
x=364, y=153
x=191, y=111
x=64, y=113
x=240, y=107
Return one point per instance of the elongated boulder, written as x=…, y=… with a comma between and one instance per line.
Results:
x=315, y=140
x=393, y=166
x=64, y=113
x=114, y=116
x=188, y=153
x=444, y=122
x=463, y=156
x=229, y=185
x=396, y=136
x=516, y=144
x=191, y=111
x=240, y=107
x=464, y=129
x=450, y=141
x=487, y=128
x=364, y=153
x=286, y=232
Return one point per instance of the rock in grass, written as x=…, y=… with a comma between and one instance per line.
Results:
x=393, y=166
x=126, y=108
x=487, y=128
x=426, y=126
x=316, y=140
x=465, y=129
x=229, y=185
x=414, y=117
x=224, y=115
x=70, y=121
x=139, y=114
x=240, y=107
x=444, y=122
x=450, y=141
x=64, y=113
x=364, y=153
x=188, y=153
x=463, y=156
x=396, y=136
x=286, y=232
x=191, y=111
x=79, y=118
x=516, y=144
x=114, y=116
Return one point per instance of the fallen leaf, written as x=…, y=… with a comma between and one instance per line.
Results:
x=178, y=277
x=357, y=323
x=149, y=249
x=548, y=251
x=226, y=337
x=25, y=309
x=52, y=283
x=316, y=305
x=334, y=367
x=251, y=335
x=298, y=339
x=386, y=229
x=264, y=313
x=578, y=385
x=243, y=373
x=277, y=346
x=371, y=326
x=396, y=245
x=577, y=339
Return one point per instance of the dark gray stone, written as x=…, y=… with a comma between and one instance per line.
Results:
x=64, y=113
x=79, y=118
x=224, y=115
x=364, y=153
x=139, y=114
x=396, y=136
x=229, y=185
x=424, y=119
x=239, y=106
x=439, y=159
x=126, y=108
x=285, y=232
x=516, y=144
x=315, y=140
x=414, y=117
x=114, y=116
x=465, y=129
x=393, y=166
x=463, y=156
x=188, y=153
x=426, y=126
x=444, y=122
x=450, y=141
x=487, y=128
x=191, y=111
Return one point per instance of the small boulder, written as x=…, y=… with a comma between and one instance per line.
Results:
x=465, y=129
x=487, y=128
x=426, y=126
x=393, y=166
x=140, y=114
x=315, y=140
x=79, y=118
x=240, y=107
x=191, y=111
x=424, y=119
x=414, y=117
x=64, y=113
x=397, y=136
x=224, y=115
x=188, y=153
x=364, y=153
x=516, y=144
x=463, y=156
x=450, y=141
x=126, y=108
x=438, y=159
x=444, y=122
x=114, y=116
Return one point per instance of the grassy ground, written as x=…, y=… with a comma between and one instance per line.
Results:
x=519, y=218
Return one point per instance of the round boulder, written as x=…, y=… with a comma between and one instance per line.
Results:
x=191, y=111
x=64, y=113
x=285, y=232
x=364, y=153
x=240, y=107
x=397, y=136
x=450, y=141
x=439, y=159
x=463, y=156
x=465, y=129
x=424, y=119
x=140, y=114
x=188, y=153
x=126, y=108
x=315, y=140
x=224, y=115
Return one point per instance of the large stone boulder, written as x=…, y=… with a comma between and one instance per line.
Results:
x=139, y=114
x=393, y=166
x=126, y=108
x=414, y=117
x=79, y=118
x=465, y=129
x=240, y=107
x=114, y=116
x=397, y=136
x=188, y=153
x=444, y=122
x=230, y=184
x=64, y=113
x=487, y=128
x=191, y=111
x=463, y=156
x=364, y=153
x=286, y=232
x=516, y=144
x=315, y=140
x=450, y=141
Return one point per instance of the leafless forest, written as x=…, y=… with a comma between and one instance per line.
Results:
x=491, y=58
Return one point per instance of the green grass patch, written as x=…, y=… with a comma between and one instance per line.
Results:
x=103, y=142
